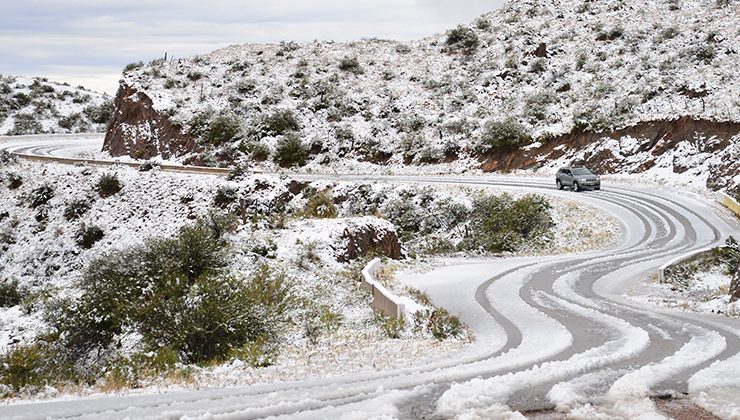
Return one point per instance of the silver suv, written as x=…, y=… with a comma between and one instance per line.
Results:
x=577, y=178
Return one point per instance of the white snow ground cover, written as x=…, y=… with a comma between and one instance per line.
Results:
x=48, y=262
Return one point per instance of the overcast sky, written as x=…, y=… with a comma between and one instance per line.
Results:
x=88, y=42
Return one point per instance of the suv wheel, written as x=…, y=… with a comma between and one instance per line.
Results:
x=559, y=184
x=576, y=187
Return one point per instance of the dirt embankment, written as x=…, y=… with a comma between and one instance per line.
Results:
x=655, y=138
x=139, y=131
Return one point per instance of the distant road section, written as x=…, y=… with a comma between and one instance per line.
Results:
x=82, y=149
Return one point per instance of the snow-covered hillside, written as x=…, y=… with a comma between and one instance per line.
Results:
x=38, y=106
x=527, y=73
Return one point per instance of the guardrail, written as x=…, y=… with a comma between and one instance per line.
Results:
x=728, y=202
x=98, y=162
x=691, y=256
x=384, y=301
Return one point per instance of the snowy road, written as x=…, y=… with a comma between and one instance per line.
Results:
x=551, y=331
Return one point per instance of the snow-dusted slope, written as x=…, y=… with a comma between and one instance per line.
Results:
x=554, y=67
x=37, y=106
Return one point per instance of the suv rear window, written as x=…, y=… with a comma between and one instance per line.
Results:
x=581, y=171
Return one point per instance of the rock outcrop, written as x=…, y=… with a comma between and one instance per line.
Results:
x=140, y=131
x=369, y=236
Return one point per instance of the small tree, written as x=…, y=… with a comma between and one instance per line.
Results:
x=291, y=151
x=504, y=134
x=351, y=65
x=462, y=39
x=223, y=129
x=281, y=122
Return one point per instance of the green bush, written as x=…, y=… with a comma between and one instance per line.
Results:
x=500, y=223
x=321, y=205
x=176, y=294
x=31, y=366
x=133, y=66
x=75, y=209
x=7, y=157
x=442, y=325
x=392, y=327
x=41, y=196
x=10, y=295
x=87, y=236
x=100, y=114
x=462, y=39
x=223, y=129
x=149, y=165
x=281, y=122
x=26, y=124
x=291, y=151
x=504, y=134
x=14, y=181
x=71, y=121
x=225, y=196
x=351, y=65
x=260, y=152
x=108, y=185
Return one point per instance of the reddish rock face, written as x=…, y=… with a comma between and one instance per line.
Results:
x=139, y=131
x=360, y=239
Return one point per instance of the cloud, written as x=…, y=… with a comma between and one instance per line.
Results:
x=86, y=40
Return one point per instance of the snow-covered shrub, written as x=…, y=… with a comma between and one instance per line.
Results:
x=392, y=327
x=100, y=114
x=87, y=236
x=76, y=208
x=462, y=39
x=7, y=158
x=40, y=196
x=177, y=294
x=108, y=185
x=483, y=24
x=257, y=150
x=149, y=165
x=280, y=122
x=14, y=181
x=439, y=323
x=680, y=276
x=133, y=66
x=225, y=196
x=291, y=151
x=31, y=366
x=405, y=214
x=72, y=121
x=223, y=129
x=320, y=205
x=500, y=223
x=610, y=34
x=537, y=105
x=351, y=65
x=590, y=117
x=25, y=124
x=128, y=371
x=504, y=134
x=10, y=295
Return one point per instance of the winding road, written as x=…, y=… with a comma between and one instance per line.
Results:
x=552, y=332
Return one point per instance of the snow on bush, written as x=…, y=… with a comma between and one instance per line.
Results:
x=37, y=105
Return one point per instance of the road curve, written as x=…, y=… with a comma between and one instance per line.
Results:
x=551, y=331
